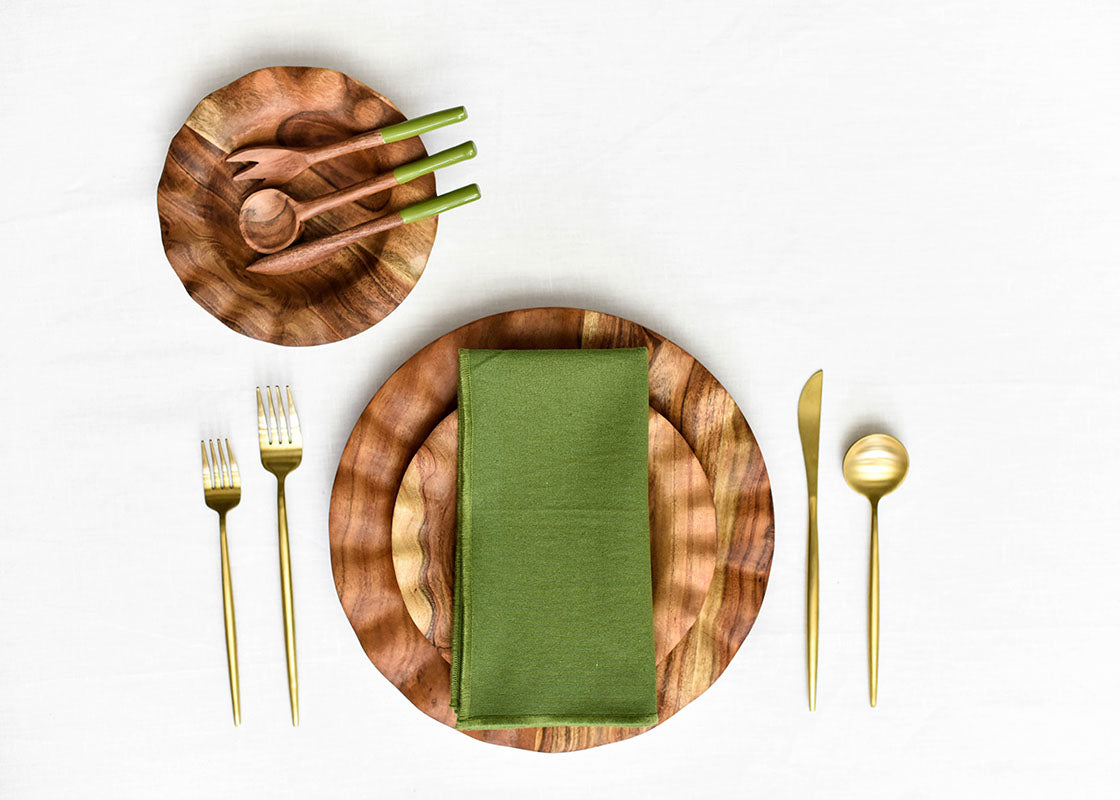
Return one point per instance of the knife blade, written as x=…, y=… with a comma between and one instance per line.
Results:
x=809, y=425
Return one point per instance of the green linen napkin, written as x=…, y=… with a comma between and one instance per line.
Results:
x=553, y=600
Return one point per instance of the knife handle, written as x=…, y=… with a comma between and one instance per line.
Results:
x=812, y=604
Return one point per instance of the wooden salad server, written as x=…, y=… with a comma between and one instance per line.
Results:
x=308, y=254
x=276, y=164
x=270, y=219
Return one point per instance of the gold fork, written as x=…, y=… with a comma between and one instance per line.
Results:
x=281, y=452
x=221, y=487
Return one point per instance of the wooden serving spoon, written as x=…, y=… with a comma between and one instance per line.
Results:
x=270, y=219
x=302, y=256
x=276, y=164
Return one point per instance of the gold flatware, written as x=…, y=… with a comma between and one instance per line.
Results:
x=875, y=466
x=809, y=425
x=281, y=451
x=221, y=486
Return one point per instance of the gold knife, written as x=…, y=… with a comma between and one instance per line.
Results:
x=809, y=424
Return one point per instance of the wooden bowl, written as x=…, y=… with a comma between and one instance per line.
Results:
x=399, y=430
x=199, y=202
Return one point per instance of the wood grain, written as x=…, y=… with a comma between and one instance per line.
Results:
x=682, y=534
x=300, y=257
x=199, y=203
x=417, y=397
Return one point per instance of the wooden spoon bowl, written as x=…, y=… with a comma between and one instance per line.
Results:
x=268, y=221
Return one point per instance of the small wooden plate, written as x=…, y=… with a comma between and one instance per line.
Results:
x=401, y=419
x=199, y=203
x=682, y=524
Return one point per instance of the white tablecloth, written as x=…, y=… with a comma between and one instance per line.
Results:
x=921, y=198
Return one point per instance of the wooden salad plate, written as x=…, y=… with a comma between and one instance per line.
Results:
x=199, y=202
x=392, y=517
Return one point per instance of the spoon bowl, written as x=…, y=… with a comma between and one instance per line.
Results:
x=269, y=220
x=876, y=465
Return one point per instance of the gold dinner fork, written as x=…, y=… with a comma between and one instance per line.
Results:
x=281, y=452
x=221, y=486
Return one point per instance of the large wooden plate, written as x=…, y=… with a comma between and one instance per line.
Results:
x=402, y=416
x=199, y=203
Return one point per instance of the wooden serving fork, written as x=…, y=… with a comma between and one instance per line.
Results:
x=221, y=486
x=276, y=164
x=281, y=452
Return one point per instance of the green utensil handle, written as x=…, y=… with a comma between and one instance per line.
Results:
x=437, y=205
x=408, y=172
x=428, y=122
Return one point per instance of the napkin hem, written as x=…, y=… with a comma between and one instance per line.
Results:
x=493, y=722
x=460, y=659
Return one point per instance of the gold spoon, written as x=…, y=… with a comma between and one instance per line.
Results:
x=875, y=466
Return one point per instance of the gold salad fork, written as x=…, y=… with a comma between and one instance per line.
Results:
x=281, y=452
x=221, y=486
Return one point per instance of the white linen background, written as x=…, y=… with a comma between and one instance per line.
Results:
x=921, y=198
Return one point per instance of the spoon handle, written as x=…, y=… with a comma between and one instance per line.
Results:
x=386, y=180
x=302, y=256
x=873, y=608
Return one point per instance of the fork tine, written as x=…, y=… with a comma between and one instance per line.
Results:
x=262, y=424
x=285, y=417
x=217, y=468
x=236, y=476
x=247, y=154
x=293, y=419
x=253, y=171
x=273, y=425
x=207, y=483
x=227, y=481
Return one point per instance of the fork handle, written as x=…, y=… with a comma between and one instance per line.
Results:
x=286, y=599
x=231, y=623
x=389, y=134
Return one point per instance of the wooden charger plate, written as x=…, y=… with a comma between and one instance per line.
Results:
x=391, y=547
x=199, y=202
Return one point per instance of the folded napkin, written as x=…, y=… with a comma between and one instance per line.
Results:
x=553, y=600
